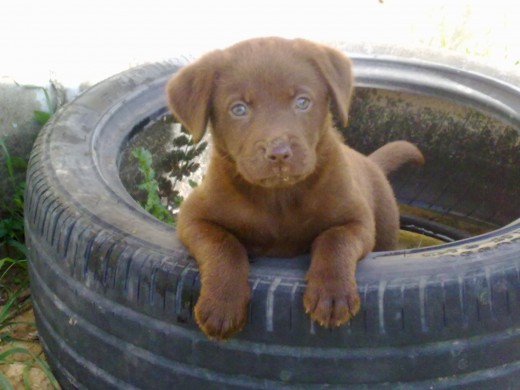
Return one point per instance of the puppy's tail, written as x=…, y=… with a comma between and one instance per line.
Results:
x=391, y=156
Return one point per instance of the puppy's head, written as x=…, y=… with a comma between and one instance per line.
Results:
x=268, y=102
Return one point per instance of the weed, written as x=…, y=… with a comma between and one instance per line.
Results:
x=16, y=302
x=14, y=278
x=29, y=359
x=176, y=165
x=11, y=210
x=41, y=117
x=179, y=164
x=11, y=224
x=151, y=187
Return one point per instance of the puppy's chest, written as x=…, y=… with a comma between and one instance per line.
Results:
x=282, y=232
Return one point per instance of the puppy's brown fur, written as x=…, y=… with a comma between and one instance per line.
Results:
x=280, y=182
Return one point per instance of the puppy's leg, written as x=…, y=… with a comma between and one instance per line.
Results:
x=387, y=224
x=331, y=297
x=221, y=309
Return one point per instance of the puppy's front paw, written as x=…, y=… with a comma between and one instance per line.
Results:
x=331, y=302
x=220, y=318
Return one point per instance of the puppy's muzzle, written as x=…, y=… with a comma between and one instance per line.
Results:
x=278, y=151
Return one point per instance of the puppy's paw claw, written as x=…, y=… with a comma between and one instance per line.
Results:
x=331, y=306
x=220, y=320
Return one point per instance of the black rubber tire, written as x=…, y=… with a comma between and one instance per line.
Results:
x=113, y=289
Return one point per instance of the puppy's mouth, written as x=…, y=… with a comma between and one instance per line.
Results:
x=279, y=181
x=263, y=172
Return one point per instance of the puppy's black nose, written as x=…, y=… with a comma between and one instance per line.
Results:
x=278, y=150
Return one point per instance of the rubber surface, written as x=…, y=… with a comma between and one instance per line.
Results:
x=113, y=289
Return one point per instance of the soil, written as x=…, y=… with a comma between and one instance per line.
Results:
x=18, y=365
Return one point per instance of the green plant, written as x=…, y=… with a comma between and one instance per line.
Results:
x=173, y=166
x=14, y=278
x=11, y=210
x=30, y=361
x=179, y=164
x=150, y=186
x=17, y=350
x=41, y=117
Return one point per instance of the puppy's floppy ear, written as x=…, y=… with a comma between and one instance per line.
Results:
x=336, y=68
x=189, y=94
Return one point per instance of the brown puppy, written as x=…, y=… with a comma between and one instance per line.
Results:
x=280, y=181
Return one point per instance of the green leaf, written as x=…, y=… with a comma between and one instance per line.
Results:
x=44, y=90
x=7, y=159
x=178, y=200
x=201, y=147
x=19, y=162
x=4, y=383
x=25, y=377
x=150, y=186
x=19, y=246
x=47, y=371
x=41, y=117
x=6, y=309
x=181, y=140
x=4, y=231
x=11, y=351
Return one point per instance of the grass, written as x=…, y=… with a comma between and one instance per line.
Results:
x=17, y=348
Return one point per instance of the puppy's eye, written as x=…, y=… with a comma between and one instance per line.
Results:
x=238, y=109
x=302, y=103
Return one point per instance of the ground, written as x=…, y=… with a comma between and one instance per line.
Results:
x=22, y=364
